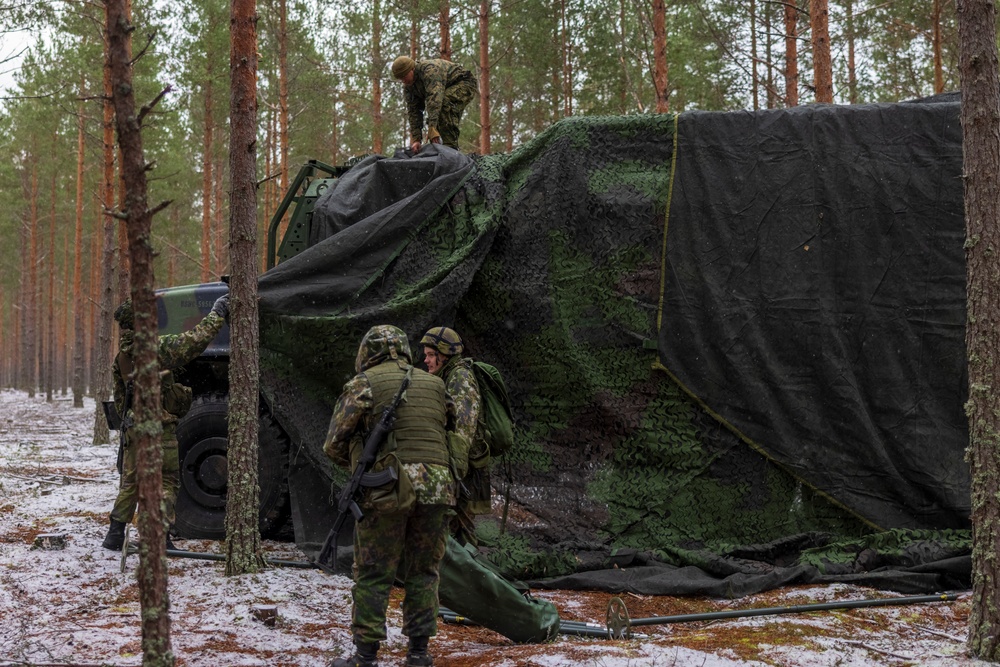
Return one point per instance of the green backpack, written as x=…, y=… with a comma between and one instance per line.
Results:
x=497, y=415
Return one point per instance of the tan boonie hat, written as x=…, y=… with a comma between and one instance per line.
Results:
x=402, y=66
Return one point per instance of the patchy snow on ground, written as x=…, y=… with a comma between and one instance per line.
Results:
x=80, y=605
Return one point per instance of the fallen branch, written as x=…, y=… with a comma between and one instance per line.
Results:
x=877, y=650
x=939, y=633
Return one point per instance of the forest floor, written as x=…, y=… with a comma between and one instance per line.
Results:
x=80, y=605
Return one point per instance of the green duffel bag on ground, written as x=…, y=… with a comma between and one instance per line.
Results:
x=470, y=588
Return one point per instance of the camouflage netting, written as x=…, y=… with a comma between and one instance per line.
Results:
x=677, y=432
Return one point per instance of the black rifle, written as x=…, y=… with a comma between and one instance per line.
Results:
x=347, y=502
x=126, y=424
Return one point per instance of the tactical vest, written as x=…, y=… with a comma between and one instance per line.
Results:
x=175, y=398
x=418, y=434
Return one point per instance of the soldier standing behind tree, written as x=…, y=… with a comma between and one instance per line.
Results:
x=405, y=521
x=439, y=90
x=443, y=349
x=174, y=351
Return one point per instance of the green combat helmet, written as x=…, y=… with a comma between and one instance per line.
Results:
x=124, y=315
x=446, y=341
x=382, y=342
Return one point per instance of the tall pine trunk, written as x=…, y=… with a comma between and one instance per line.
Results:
x=282, y=89
x=485, y=126
x=105, y=301
x=791, y=55
x=978, y=67
x=242, y=531
x=31, y=291
x=660, y=58
x=152, y=572
x=444, y=19
x=377, y=76
x=79, y=303
x=819, y=20
x=206, y=179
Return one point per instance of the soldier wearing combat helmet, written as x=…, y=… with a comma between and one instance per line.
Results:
x=436, y=91
x=406, y=520
x=443, y=355
x=173, y=351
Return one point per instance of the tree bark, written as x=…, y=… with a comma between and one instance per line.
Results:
x=978, y=68
x=754, y=58
x=79, y=385
x=936, y=47
x=660, y=58
x=282, y=90
x=567, y=71
x=377, y=76
x=485, y=128
x=444, y=18
x=819, y=19
x=852, y=76
x=31, y=292
x=206, y=178
x=50, y=318
x=102, y=362
x=791, y=55
x=242, y=531
x=152, y=572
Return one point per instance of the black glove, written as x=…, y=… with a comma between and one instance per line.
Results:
x=221, y=306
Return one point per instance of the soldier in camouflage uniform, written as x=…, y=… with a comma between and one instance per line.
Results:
x=405, y=521
x=439, y=90
x=174, y=351
x=443, y=349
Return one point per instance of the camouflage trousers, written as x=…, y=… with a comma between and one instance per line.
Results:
x=128, y=486
x=456, y=98
x=384, y=542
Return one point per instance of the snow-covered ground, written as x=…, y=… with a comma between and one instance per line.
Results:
x=76, y=606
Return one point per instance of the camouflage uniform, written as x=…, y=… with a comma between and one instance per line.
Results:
x=441, y=90
x=474, y=495
x=174, y=351
x=416, y=533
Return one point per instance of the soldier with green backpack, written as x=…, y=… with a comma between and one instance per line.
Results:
x=479, y=392
x=175, y=399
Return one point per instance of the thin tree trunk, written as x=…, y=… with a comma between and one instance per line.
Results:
x=152, y=572
x=414, y=29
x=772, y=94
x=791, y=55
x=50, y=314
x=444, y=18
x=219, y=221
x=206, y=179
x=377, y=76
x=567, y=72
x=819, y=19
x=754, y=78
x=242, y=532
x=282, y=89
x=978, y=68
x=852, y=77
x=660, y=58
x=31, y=303
x=936, y=48
x=485, y=126
x=78, y=300
x=102, y=361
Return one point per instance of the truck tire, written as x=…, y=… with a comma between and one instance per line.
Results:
x=202, y=439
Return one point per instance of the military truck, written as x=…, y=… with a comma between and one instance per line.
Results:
x=721, y=331
x=202, y=433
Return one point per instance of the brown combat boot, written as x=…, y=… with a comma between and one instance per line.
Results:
x=366, y=655
x=417, y=655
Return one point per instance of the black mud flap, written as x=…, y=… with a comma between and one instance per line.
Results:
x=314, y=509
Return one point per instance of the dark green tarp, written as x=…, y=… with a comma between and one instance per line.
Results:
x=778, y=362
